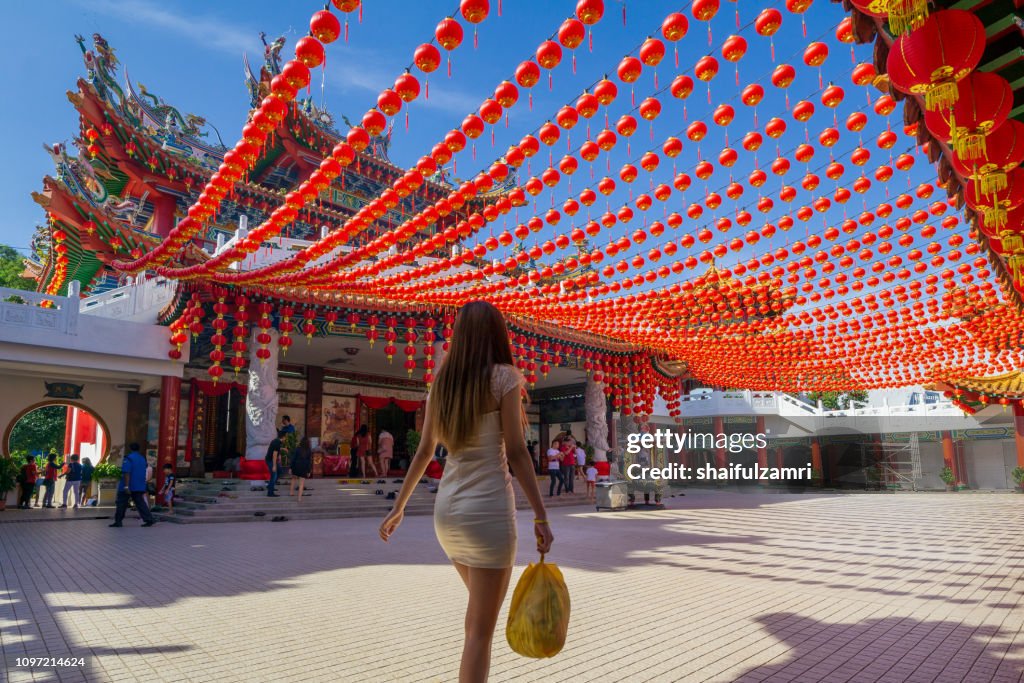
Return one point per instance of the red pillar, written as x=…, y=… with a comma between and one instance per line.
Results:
x=816, y=456
x=1018, y=431
x=167, y=441
x=762, y=451
x=720, y=457
x=85, y=430
x=780, y=460
x=949, y=458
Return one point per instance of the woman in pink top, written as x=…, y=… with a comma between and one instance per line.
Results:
x=385, y=451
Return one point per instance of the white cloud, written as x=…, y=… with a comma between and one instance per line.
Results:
x=205, y=30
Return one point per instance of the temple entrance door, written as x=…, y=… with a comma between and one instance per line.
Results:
x=398, y=422
x=224, y=434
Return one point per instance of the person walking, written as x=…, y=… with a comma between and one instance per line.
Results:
x=27, y=478
x=273, y=459
x=87, y=470
x=72, y=481
x=385, y=451
x=476, y=409
x=366, y=461
x=302, y=463
x=554, y=457
x=132, y=486
x=50, y=474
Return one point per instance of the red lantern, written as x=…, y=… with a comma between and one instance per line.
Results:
x=427, y=58
x=309, y=51
x=527, y=74
x=983, y=102
x=324, y=26
x=448, y=33
x=549, y=54
x=1005, y=151
x=931, y=60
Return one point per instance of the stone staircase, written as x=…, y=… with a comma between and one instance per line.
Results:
x=233, y=500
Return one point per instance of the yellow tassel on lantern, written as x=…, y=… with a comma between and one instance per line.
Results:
x=995, y=216
x=905, y=15
x=1011, y=241
x=993, y=182
x=941, y=96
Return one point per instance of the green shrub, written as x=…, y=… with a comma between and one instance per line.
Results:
x=106, y=470
x=947, y=476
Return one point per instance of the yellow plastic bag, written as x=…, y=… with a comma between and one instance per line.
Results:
x=539, y=616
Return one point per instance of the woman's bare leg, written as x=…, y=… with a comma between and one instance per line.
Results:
x=463, y=571
x=487, y=588
x=302, y=487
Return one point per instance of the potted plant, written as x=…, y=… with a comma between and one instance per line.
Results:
x=288, y=445
x=1018, y=477
x=8, y=478
x=947, y=476
x=105, y=476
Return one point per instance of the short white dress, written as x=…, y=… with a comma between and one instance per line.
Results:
x=475, y=510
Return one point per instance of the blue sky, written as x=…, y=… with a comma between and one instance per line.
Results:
x=189, y=53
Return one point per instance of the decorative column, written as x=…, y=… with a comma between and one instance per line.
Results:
x=721, y=460
x=597, y=418
x=1018, y=431
x=314, y=402
x=167, y=441
x=949, y=458
x=816, y=458
x=261, y=400
x=780, y=458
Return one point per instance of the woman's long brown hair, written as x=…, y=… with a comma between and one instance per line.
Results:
x=479, y=342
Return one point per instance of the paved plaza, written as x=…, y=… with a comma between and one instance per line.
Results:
x=719, y=587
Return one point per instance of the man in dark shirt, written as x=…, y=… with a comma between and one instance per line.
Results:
x=133, y=485
x=273, y=460
x=72, y=480
x=286, y=427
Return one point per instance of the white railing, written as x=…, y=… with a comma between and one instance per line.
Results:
x=58, y=314
x=138, y=302
x=723, y=403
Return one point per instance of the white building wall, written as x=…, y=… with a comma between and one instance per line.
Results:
x=102, y=399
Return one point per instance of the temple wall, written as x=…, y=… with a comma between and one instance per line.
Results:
x=109, y=404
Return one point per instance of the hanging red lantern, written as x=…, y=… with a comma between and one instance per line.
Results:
x=768, y=22
x=704, y=10
x=674, y=27
x=571, y=33
x=682, y=87
x=783, y=76
x=706, y=68
x=931, y=60
x=549, y=54
x=448, y=33
x=527, y=74
x=427, y=58
x=407, y=87
x=474, y=11
x=1004, y=152
x=309, y=51
x=752, y=95
x=652, y=51
x=983, y=102
x=324, y=26
x=590, y=11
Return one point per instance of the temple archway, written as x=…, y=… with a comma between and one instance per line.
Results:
x=65, y=426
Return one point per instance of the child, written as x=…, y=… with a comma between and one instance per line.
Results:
x=50, y=479
x=167, y=492
x=592, y=482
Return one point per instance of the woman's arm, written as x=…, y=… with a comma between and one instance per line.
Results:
x=522, y=465
x=418, y=466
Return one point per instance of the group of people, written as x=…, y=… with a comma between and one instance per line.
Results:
x=365, y=463
x=566, y=461
x=301, y=462
x=76, y=473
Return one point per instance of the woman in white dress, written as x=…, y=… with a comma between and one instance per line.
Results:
x=475, y=409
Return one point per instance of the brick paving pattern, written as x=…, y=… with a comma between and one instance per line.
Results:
x=719, y=587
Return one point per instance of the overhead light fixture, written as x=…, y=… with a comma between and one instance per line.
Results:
x=351, y=350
